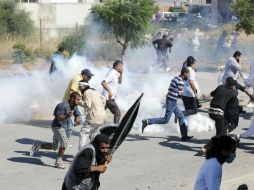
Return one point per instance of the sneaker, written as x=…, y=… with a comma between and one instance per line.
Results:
x=186, y=138
x=69, y=146
x=35, y=147
x=60, y=164
x=144, y=124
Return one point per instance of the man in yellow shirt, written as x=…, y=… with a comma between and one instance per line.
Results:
x=85, y=75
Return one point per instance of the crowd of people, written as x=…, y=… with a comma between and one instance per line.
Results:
x=92, y=157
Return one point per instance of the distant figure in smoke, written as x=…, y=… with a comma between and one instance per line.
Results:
x=163, y=46
x=222, y=149
x=85, y=75
x=220, y=49
x=63, y=113
x=157, y=17
x=232, y=40
x=57, y=57
x=110, y=86
x=174, y=92
x=189, y=97
x=234, y=43
x=94, y=106
x=87, y=165
x=195, y=40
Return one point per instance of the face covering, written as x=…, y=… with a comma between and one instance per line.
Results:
x=230, y=157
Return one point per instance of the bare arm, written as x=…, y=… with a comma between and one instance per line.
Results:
x=106, y=87
x=99, y=168
x=193, y=87
x=63, y=117
x=120, y=78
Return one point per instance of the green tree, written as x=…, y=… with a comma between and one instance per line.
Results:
x=126, y=20
x=244, y=9
x=14, y=20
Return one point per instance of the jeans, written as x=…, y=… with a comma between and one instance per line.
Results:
x=114, y=109
x=171, y=107
x=221, y=129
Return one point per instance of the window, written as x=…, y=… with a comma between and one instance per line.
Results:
x=208, y=1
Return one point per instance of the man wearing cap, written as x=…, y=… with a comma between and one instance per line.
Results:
x=110, y=86
x=88, y=164
x=85, y=75
x=94, y=107
x=223, y=97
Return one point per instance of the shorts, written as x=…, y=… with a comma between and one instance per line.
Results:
x=59, y=138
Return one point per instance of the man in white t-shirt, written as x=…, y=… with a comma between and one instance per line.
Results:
x=190, y=89
x=110, y=86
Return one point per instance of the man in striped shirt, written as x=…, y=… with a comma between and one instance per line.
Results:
x=175, y=91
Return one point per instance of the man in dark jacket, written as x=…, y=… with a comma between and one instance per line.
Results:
x=162, y=46
x=86, y=167
x=220, y=109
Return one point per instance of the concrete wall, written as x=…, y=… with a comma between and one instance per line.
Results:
x=55, y=17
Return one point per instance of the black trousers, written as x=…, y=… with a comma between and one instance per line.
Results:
x=114, y=109
x=220, y=125
x=190, y=105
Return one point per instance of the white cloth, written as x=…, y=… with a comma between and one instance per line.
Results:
x=195, y=38
x=187, y=87
x=250, y=131
x=87, y=134
x=232, y=69
x=94, y=107
x=112, y=81
x=209, y=177
x=250, y=80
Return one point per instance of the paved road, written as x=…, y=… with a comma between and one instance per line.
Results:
x=153, y=161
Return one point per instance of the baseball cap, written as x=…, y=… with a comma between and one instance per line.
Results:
x=87, y=72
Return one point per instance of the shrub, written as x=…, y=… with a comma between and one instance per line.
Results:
x=22, y=53
x=13, y=20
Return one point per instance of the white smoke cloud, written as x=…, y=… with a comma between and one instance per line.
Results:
x=23, y=96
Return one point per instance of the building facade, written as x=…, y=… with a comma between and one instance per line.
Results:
x=55, y=17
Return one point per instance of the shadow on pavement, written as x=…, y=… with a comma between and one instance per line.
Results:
x=174, y=143
x=138, y=137
x=28, y=160
x=247, y=116
x=42, y=153
x=248, y=147
x=25, y=141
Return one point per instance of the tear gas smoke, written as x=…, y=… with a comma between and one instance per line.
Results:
x=24, y=95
